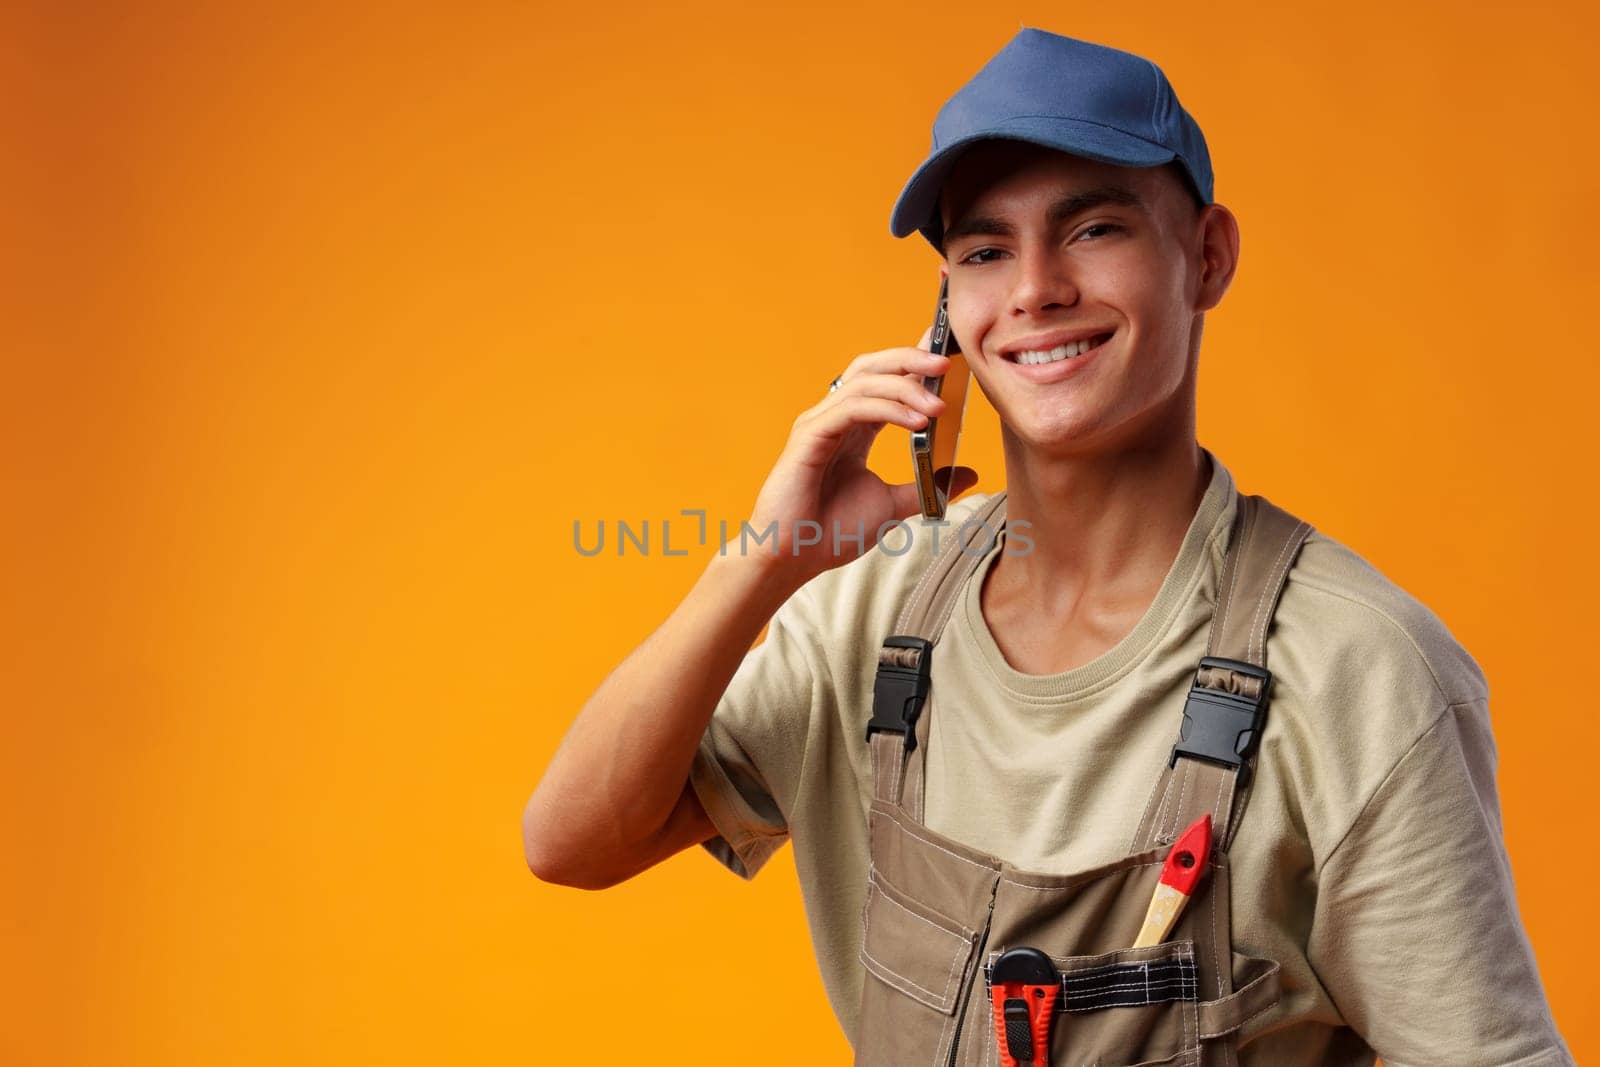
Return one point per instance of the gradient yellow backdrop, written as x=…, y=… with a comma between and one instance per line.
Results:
x=324, y=324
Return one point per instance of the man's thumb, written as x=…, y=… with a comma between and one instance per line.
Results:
x=961, y=479
x=907, y=502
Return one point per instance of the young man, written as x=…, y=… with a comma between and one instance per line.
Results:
x=1367, y=904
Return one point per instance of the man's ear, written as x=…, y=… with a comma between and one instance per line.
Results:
x=1219, y=255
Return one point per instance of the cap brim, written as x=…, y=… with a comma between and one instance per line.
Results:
x=917, y=208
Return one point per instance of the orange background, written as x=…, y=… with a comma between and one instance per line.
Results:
x=324, y=327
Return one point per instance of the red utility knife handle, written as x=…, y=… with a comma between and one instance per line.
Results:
x=1041, y=1002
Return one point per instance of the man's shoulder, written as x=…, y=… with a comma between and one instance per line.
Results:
x=1358, y=621
x=1363, y=670
x=861, y=599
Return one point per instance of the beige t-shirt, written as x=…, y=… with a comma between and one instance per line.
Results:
x=1369, y=862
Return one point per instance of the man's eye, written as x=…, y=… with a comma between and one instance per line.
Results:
x=1107, y=226
x=973, y=257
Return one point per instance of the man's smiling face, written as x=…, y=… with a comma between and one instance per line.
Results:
x=1045, y=249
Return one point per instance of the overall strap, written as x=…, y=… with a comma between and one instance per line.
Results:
x=905, y=662
x=1209, y=769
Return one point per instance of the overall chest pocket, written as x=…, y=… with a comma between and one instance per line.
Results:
x=1182, y=1002
x=1141, y=1007
x=1135, y=1006
x=920, y=963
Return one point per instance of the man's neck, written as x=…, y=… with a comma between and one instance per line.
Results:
x=1105, y=531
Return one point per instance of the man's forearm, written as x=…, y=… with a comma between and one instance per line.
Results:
x=621, y=769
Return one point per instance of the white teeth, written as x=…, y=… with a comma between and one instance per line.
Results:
x=1076, y=348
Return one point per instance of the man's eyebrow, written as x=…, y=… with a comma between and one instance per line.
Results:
x=1060, y=211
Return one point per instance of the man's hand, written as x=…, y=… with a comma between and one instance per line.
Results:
x=822, y=476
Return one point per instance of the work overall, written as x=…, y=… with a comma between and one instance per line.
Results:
x=938, y=912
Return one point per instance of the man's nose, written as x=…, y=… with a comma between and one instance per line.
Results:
x=1043, y=281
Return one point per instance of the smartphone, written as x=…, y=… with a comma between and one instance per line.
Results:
x=933, y=448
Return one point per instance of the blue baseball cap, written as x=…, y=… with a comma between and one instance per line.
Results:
x=1074, y=96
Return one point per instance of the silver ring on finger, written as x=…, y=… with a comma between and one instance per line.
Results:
x=834, y=385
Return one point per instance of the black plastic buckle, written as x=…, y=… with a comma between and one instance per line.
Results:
x=898, y=692
x=1222, y=727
